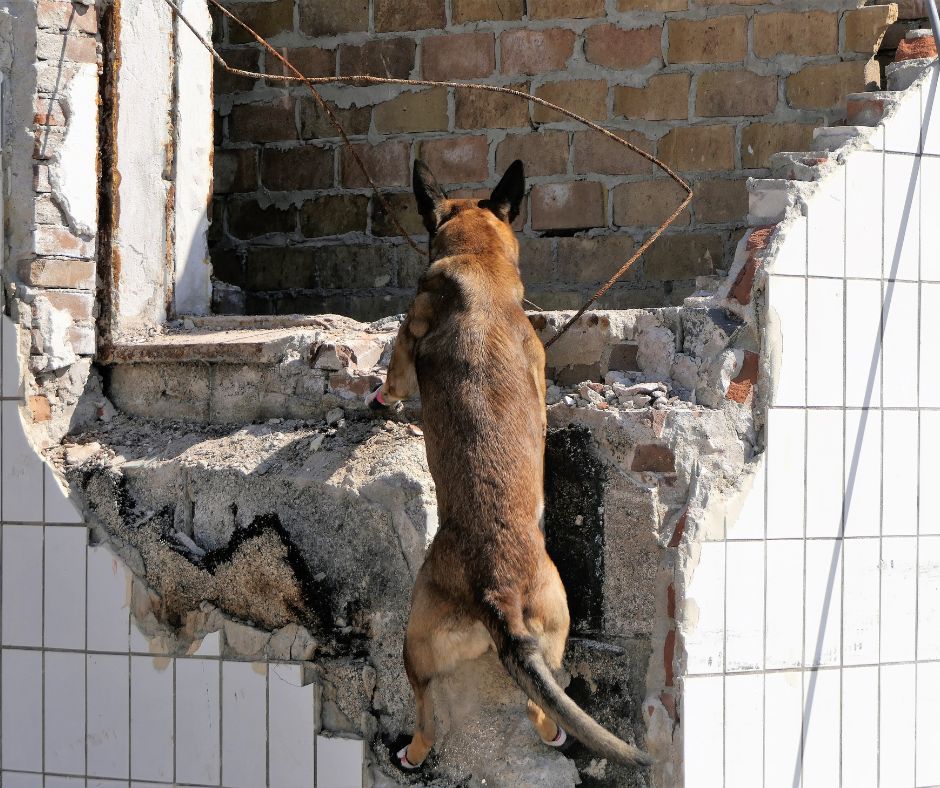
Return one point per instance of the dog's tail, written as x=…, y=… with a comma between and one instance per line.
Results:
x=523, y=660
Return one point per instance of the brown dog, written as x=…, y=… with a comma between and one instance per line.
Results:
x=487, y=580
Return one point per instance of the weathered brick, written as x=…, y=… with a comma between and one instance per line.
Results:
x=648, y=203
x=39, y=407
x=717, y=39
x=352, y=265
x=60, y=242
x=46, y=211
x=387, y=162
x=479, y=10
x=537, y=260
x=804, y=33
x=544, y=152
x=52, y=272
x=865, y=27
x=535, y=51
x=595, y=153
x=825, y=86
x=79, y=304
x=916, y=48
x=266, y=19
x=665, y=97
x=334, y=215
x=720, y=200
x=760, y=141
x=74, y=48
x=458, y=56
x=245, y=58
x=41, y=178
x=565, y=9
x=316, y=125
x=683, y=257
x=393, y=15
x=734, y=93
x=698, y=148
x=235, y=170
x=64, y=15
x=425, y=110
x=385, y=57
x=586, y=97
x=652, y=5
x=569, y=206
x=653, y=458
x=278, y=268
x=247, y=219
x=477, y=109
x=272, y=122
x=591, y=260
x=309, y=61
x=457, y=159
x=613, y=47
x=403, y=204
x=301, y=167
x=741, y=388
x=329, y=18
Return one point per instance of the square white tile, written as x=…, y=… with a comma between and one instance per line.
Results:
x=339, y=762
x=899, y=490
x=704, y=637
x=64, y=782
x=783, y=729
x=21, y=780
x=930, y=109
x=824, y=459
x=64, y=711
x=826, y=226
x=929, y=338
x=22, y=585
x=744, y=729
x=927, y=767
x=929, y=211
x=748, y=521
x=745, y=606
x=786, y=461
x=108, y=715
x=109, y=591
x=823, y=602
x=244, y=716
x=896, y=729
x=790, y=258
x=198, y=750
x=899, y=354
x=902, y=131
x=95, y=783
x=860, y=727
x=21, y=488
x=862, y=472
x=152, y=719
x=784, y=590
x=928, y=598
x=902, y=217
x=821, y=728
x=12, y=385
x=898, y=598
x=21, y=714
x=64, y=603
x=864, y=194
x=703, y=723
x=929, y=514
x=291, y=727
x=862, y=343
x=59, y=509
x=825, y=354
x=787, y=297
x=860, y=611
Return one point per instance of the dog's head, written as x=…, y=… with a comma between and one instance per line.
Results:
x=470, y=225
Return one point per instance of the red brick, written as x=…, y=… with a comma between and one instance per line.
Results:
x=564, y=9
x=327, y=17
x=671, y=601
x=595, y=153
x=51, y=272
x=669, y=653
x=653, y=458
x=719, y=39
x=826, y=86
x=911, y=48
x=741, y=289
x=266, y=19
x=235, y=170
x=80, y=305
x=39, y=407
x=543, y=152
x=403, y=206
x=257, y=123
x=614, y=47
x=245, y=58
x=315, y=124
x=735, y=93
x=425, y=110
x=479, y=10
x=334, y=214
x=477, y=109
x=741, y=388
x=302, y=167
x=67, y=16
x=759, y=237
x=458, y=56
x=648, y=203
x=568, y=206
x=309, y=61
x=386, y=57
x=247, y=219
x=387, y=162
x=678, y=532
x=698, y=148
x=457, y=159
x=683, y=256
x=593, y=260
x=806, y=33
x=393, y=15
x=720, y=200
x=760, y=141
x=535, y=51
x=665, y=97
x=584, y=97
x=60, y=242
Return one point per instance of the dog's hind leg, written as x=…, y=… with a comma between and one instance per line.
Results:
x=420, y=668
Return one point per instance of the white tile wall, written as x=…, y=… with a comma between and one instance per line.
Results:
x=21, y=729
x=927, y=765
x=928, y=598
x=198, y=750
x=108, y=715
x=784, y=589
x=900, y=353
x=64, y=597
x=749, y=523
x=786, y=461
x=22, y=585
x=703, y=739
x=826, y=227
x=109, y=593
x=244, y=717
x=339, y=762
x=789, y=298
x=291, y=727
x=821, y=728
x=861, y=612
x=865, y=179
x=152, y=719
x=898, y=598
x=64, y=712
x=929, y=211
x=704, y=636
x=744, y=729
x=783, y=726
x=862, y=343
x=902, y=217
x=860, y=727
x=896, y=735
x=862, y=473
x=823, y=637
x=824, y=467
x=825, y=320
x=899, y=482
x=21, y=488
x=59, y=507
x=744, y=600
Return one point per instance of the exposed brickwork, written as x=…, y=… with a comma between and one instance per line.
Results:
x=714, y=95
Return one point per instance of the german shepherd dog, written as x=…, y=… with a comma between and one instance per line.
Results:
x=487, y=580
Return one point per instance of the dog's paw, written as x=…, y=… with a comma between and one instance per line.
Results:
x=398, y=755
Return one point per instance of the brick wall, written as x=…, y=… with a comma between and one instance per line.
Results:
x=712, y=90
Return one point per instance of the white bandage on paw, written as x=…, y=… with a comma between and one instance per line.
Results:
x=402, y=755
x=559, y=740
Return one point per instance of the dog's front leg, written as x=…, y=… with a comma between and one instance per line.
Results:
x=401, y=382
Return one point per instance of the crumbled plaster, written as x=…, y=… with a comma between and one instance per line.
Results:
x=72, y=172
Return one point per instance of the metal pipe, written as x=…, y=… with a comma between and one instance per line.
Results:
x=934, y=20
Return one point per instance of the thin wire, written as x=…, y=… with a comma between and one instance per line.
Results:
x=361, y=80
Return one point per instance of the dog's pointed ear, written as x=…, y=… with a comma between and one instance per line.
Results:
x=507, y=196
x=429, y=195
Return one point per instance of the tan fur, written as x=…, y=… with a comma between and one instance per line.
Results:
x=467, y=344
